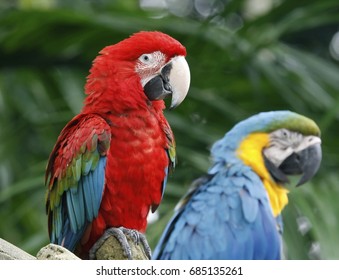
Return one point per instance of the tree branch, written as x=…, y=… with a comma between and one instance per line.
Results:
x=109, y=250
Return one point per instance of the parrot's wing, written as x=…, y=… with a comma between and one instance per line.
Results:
x=225, y=216
x=171, y=154
x=75, y=178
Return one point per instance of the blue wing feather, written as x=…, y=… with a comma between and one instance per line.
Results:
x=71, y=210
x=83, y=205
x=225, y=217
x=75, y=178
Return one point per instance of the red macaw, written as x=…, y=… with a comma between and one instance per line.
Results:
x=110, y=163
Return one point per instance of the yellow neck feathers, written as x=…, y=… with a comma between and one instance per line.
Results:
x=250, y=152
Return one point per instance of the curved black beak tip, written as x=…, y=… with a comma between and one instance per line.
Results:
x=311, y=160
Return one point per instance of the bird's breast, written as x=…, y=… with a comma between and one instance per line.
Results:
x=135, y=170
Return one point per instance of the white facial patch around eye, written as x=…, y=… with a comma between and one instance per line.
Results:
x=149, y=64
x=147, y=58
x=283, y=143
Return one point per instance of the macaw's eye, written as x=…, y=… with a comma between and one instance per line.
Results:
x=146, y=58
x=284, y=132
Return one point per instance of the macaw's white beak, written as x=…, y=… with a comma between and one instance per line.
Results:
x=173, y=80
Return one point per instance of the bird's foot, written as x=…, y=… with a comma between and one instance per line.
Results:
x=121, y=234
x=138, y=238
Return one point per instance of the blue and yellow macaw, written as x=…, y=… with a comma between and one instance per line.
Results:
x=234, y=212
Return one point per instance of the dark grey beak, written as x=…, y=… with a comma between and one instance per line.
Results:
x=305, y=162
x=159, y=87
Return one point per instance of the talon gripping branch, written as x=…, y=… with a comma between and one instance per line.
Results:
x=110, y=163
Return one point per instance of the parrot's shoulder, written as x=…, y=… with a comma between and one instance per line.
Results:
x=85, y=127
x=84, y=135
x=234, y=181
x=170, y=149
x=171, y=145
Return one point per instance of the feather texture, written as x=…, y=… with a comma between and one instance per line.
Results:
x=110, y=164
x=228, y=213
x=75, y=177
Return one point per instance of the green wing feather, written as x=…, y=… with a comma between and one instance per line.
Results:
x=75, y=177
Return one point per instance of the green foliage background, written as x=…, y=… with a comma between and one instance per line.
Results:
x=241, y=63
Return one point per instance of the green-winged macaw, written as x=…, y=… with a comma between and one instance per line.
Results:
x=234, y=212
x=109, y=166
